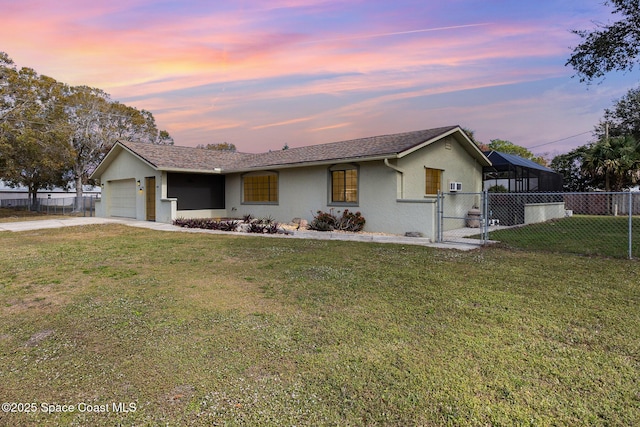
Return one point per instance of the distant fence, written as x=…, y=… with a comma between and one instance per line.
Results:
x=83, y=206
x=602, y=203
x=595, y=223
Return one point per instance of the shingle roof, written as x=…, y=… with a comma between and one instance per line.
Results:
x=352, y=149
x=168, y=157
x=176, y=157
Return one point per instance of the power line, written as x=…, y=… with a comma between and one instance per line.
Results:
x=558, y=140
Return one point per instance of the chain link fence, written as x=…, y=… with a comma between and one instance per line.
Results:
x=597, y=223
x=460, y=215
x=79, y=206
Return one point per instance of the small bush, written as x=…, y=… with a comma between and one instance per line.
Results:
x=265, y=225
x=327, y=221
x=320, y=226
x=351, y=221
x=261, y=227
x=498, y=189
x=228, y=225
x=265, y=220
x=206, y=224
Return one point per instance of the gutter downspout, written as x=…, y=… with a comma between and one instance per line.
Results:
x=400, y=171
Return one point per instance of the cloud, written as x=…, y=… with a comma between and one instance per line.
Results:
x=311, y=69
x=330, y=127
x=396, y=33
x=284, y=123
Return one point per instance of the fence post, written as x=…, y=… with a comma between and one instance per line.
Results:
x=630, y=205
x=438, y=218
x=485, y=217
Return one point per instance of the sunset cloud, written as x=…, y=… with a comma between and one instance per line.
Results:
x=305, y=70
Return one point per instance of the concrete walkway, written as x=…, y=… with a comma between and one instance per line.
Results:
x=460, y=244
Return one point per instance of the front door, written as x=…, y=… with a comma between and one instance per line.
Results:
x=150, y=185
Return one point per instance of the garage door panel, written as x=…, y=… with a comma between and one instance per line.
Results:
x=123, y=198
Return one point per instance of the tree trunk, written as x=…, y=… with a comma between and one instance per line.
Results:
x=33, y=197
x=78, y=204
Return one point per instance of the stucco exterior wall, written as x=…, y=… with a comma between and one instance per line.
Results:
x=541, y=212
x=447, y=155
x=202, y=213
x=301, y=191
x=126, y=166
x=304, y=191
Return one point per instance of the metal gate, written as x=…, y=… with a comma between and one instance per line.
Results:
x=462, y=217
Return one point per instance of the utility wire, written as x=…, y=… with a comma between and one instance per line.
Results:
x=558, y=140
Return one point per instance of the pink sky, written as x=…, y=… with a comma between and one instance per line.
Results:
x=302, y=72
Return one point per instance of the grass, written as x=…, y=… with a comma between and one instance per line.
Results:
x=13, y=215
x=197, y=329
x=579, y=234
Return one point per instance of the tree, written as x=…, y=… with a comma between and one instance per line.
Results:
x=569, y=165
x=7, y=71
x=46, y=125
x=88, y=115
x=623, y=119
x=33, y=130
x=471, y=134
x=609, y=47
x=511, y=148
x=98, y=123
x=222, y=146
x=613, y=162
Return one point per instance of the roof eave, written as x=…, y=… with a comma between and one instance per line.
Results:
x=214, y=171
x=313, y=163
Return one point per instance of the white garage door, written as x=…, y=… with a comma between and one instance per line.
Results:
x=123, y=198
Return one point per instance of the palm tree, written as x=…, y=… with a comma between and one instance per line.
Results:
x=614, y=160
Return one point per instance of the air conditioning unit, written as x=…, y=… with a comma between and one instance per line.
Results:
x=455, y=187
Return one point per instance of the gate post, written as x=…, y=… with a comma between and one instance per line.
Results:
x=630, y=205
x=439, y=217
x=485, y=216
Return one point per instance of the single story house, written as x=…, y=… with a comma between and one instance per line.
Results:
x=392, y=180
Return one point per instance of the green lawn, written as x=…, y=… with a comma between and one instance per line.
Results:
x=13, y=215
x=197, y=329
x=579, y=234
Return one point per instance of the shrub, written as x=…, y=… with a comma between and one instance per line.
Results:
x=206, y=224
x=265, y=225
x=351, y=221
x=498, y=189
x=327, y=221
x=262, y=227
x=228, y=225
